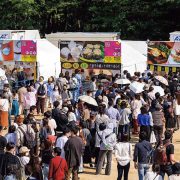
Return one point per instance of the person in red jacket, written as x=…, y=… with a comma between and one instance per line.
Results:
x=58, y=168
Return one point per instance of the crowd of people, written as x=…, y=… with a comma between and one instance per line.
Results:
x=54, y=133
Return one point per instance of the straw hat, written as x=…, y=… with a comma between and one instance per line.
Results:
x=23, y=149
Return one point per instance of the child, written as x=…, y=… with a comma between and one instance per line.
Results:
x=15, y=104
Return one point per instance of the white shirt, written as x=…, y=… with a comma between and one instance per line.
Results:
x=108, y=142
x=61, y=141
x=4, y=105
x=71, y=117
x=174, y=177
x=151, y=95
x=136, y=106
x=176, y=107
x=116, y=98
x=24, y=160
x=52, y=124
x=151, y=175
x=123, y=153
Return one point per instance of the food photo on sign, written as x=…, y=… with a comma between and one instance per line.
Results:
x=165, y=53
x=90, y=51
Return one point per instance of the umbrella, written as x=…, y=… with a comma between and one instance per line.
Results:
x=136, y=87
x=158, y=89
x=122, y=81
x=88, y=99
x=162, y=80
x=2, y=73
x=104, y=80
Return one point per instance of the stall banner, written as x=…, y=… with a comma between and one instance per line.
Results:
x=165, y=69
x=28, y=50
x=164, y=53
x=78, y=65
x=17, y=50
x=90, y=52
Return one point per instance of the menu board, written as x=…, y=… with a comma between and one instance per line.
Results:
x=90, y=54
x=164, y=53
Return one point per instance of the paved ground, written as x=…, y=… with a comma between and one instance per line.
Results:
x=89, y=173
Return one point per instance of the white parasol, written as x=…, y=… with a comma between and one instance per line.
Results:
x=2, y=73
x=88, y=99
x=104, y=80
x=136, y=87
x=162, y=80
x=158, y=89
x=122, y=81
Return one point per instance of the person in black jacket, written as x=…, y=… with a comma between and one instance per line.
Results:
x=60, y=116
x=3, y=141
x=10, y=163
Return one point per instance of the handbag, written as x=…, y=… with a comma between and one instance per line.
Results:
x=153, y=138
x=56, y=170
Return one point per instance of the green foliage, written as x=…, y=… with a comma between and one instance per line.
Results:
x=135, y=19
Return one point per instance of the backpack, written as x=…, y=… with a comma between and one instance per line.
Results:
x=160, y=156
x=29, y=140
x=41, y=90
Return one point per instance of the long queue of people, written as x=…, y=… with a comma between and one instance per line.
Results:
x=71, y=133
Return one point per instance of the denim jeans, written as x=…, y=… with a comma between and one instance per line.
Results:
x=10, y=177
x=142, y=169
x=45, y=171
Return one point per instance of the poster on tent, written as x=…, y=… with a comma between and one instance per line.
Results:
x=164, y=53
x=17, y=50
x=28, y=50
x=10, y=50
x=90, y=54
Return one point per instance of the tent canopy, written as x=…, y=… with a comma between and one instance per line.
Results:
x=48, y=59
x=134, y=56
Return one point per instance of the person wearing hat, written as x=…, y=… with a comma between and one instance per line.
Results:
x=158, y=121
x=24, y=155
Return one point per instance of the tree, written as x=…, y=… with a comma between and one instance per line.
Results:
x=134, y=19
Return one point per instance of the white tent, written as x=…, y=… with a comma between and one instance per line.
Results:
x=134, y=56
x=48, y=59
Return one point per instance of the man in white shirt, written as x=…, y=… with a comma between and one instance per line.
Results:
x=113, y=115
x=61, y=141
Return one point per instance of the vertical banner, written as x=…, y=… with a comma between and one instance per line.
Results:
x=28, y=50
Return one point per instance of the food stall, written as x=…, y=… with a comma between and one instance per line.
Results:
x=92, y=56
x=18, y=56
